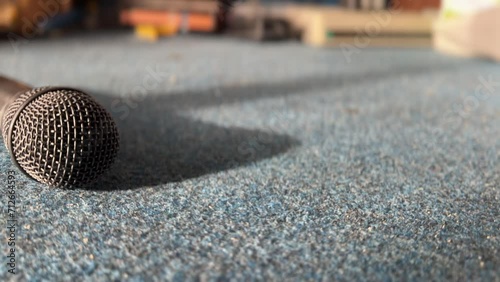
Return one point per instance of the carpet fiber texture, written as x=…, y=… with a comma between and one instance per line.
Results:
x=251, y=161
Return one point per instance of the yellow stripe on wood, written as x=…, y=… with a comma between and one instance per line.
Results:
x=147, y=32
x=153, y=32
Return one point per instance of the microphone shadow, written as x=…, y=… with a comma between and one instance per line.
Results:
x=159, y=145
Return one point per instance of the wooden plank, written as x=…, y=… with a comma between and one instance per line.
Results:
x=382, y=22
x=316, y=30
x=380, y=41
x=316, y=22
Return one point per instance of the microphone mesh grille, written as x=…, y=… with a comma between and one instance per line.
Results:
x=62, y=138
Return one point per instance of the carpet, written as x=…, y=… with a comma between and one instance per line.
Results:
x=247, y=161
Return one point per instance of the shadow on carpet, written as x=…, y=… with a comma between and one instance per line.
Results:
x=161, y=145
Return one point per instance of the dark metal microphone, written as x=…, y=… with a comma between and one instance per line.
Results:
x=59, y=136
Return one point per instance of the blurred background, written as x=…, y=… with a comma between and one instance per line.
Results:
x=316, y=140
x=466, y=28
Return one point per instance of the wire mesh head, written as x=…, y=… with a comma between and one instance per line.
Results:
x=60, y=137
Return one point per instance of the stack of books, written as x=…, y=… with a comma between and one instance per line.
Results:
x=154, y=18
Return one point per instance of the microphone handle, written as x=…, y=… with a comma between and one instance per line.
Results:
x=8, y=90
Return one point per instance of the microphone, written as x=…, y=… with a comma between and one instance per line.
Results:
x=56, y=135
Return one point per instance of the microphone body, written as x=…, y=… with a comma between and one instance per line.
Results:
x=56, y=135
x=8, y=90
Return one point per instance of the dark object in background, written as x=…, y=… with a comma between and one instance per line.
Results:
x=392, y=4
x=365, y=4
x=75, y=16
x=350, y=4
x=59, y=136
x=415, y=5
x=258, y=21
x=85, y=14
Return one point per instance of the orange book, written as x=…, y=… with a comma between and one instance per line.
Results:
x=185, y=21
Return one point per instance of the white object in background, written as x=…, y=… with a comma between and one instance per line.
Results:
x=465, y=7
x=470, y=35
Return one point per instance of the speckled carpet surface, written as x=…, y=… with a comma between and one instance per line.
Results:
x=246, y=161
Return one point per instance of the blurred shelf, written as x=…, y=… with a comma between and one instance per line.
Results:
x=151, y=24
x=360, y=42
x=198, y=6
x=315, y=22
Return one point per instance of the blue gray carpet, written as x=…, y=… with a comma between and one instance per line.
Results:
x=246, y=161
